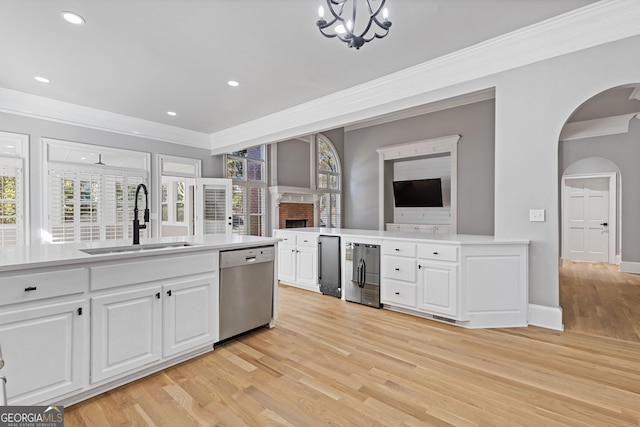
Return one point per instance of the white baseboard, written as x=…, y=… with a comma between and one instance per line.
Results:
x=545, y=317
x=618, y=260
x=630, y=267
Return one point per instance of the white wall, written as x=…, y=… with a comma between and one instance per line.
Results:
x=532, y=105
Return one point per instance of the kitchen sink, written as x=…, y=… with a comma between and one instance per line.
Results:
x=135, y=248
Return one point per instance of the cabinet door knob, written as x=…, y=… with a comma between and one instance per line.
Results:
x=419, y=266
x=158, y=295
x=169, y=292
x=80, y=311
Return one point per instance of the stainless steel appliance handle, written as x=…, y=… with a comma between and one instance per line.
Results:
x=3, y=391
x=319, y=261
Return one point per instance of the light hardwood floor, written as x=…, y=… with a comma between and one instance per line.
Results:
x=597, y=299
x=330, y=362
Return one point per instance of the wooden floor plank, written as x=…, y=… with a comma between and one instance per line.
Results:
x=330, y=362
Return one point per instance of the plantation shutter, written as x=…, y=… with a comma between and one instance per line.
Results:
x=213, y=206
x=11, y=202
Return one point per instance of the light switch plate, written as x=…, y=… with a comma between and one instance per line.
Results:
x=536, y=215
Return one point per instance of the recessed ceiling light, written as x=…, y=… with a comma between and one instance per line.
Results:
x=171, y=113
x=233, y=83
x=41, y=79
x=72, y=18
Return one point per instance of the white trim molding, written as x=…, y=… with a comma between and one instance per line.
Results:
x=630, y=267
x=545, y=317
x=597, y=127
x=39, y=107
x=445, y=144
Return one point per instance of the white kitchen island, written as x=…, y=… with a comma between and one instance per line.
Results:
x=75, y=324
x=467, y=280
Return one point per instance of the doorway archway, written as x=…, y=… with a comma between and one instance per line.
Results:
x=600, y=141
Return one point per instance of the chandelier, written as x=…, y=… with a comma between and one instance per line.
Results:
x=342, y=21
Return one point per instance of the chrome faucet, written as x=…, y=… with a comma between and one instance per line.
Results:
x=136, y=224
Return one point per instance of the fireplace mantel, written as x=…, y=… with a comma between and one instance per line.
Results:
x=286, y=194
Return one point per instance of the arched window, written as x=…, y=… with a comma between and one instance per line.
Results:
x=328, y=182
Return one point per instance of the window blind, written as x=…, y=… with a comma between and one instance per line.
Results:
x=11, y=202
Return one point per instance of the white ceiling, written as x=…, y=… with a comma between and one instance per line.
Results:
x=142, y=58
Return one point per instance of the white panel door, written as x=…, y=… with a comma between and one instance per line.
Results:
x=213, y=206
x=586, y=219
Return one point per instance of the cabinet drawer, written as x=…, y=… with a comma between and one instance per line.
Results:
x=398, y=293
x=399, y=249
x=48, y=284
x=399, y=268
x=287, y=238
x=305, y=239
x=438, y=252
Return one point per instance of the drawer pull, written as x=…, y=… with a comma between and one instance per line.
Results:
x=80, y=311
x=30, y=288
x=158, y=295
x=435, y=253
x=397, y=269
x=419, y=266
x=397, y=293
x=397, y=250
x=169, y=292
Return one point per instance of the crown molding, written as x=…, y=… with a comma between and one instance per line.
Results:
x=24, y=104
x=597, y=127
x=445, y=104
x=596, y=24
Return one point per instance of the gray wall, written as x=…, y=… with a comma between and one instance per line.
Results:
x=294, y=159
x=294, y=163
x=624, y=151
x=37, y=129
x=476, y=124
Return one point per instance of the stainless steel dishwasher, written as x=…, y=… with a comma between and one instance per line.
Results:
x=246, y=290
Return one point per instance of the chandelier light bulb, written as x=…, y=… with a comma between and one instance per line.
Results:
x=350, y=25
x=340, y=29
x=385, y=14
x=320, y=12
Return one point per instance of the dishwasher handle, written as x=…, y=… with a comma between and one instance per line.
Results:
x=251, y=259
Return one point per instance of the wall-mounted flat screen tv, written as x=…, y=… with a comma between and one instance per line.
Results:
x=418, y=193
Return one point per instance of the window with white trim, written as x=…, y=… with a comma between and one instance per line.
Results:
x=328, y=182
x=13, y=149
x=91, y=191
x=248, y=171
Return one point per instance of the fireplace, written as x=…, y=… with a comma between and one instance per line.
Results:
x=295, y=215
x=292, y=204
x=295, y=223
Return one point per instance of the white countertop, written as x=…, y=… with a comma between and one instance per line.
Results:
x=424, y=237
x=49, y=255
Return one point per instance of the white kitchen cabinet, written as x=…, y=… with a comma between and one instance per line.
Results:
x=298, y=259
x=43, y=325
x=126, y=331
x=437, y=288
x=287, y=263
x=398, y=274
x=190, y=309
x=43, y=348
